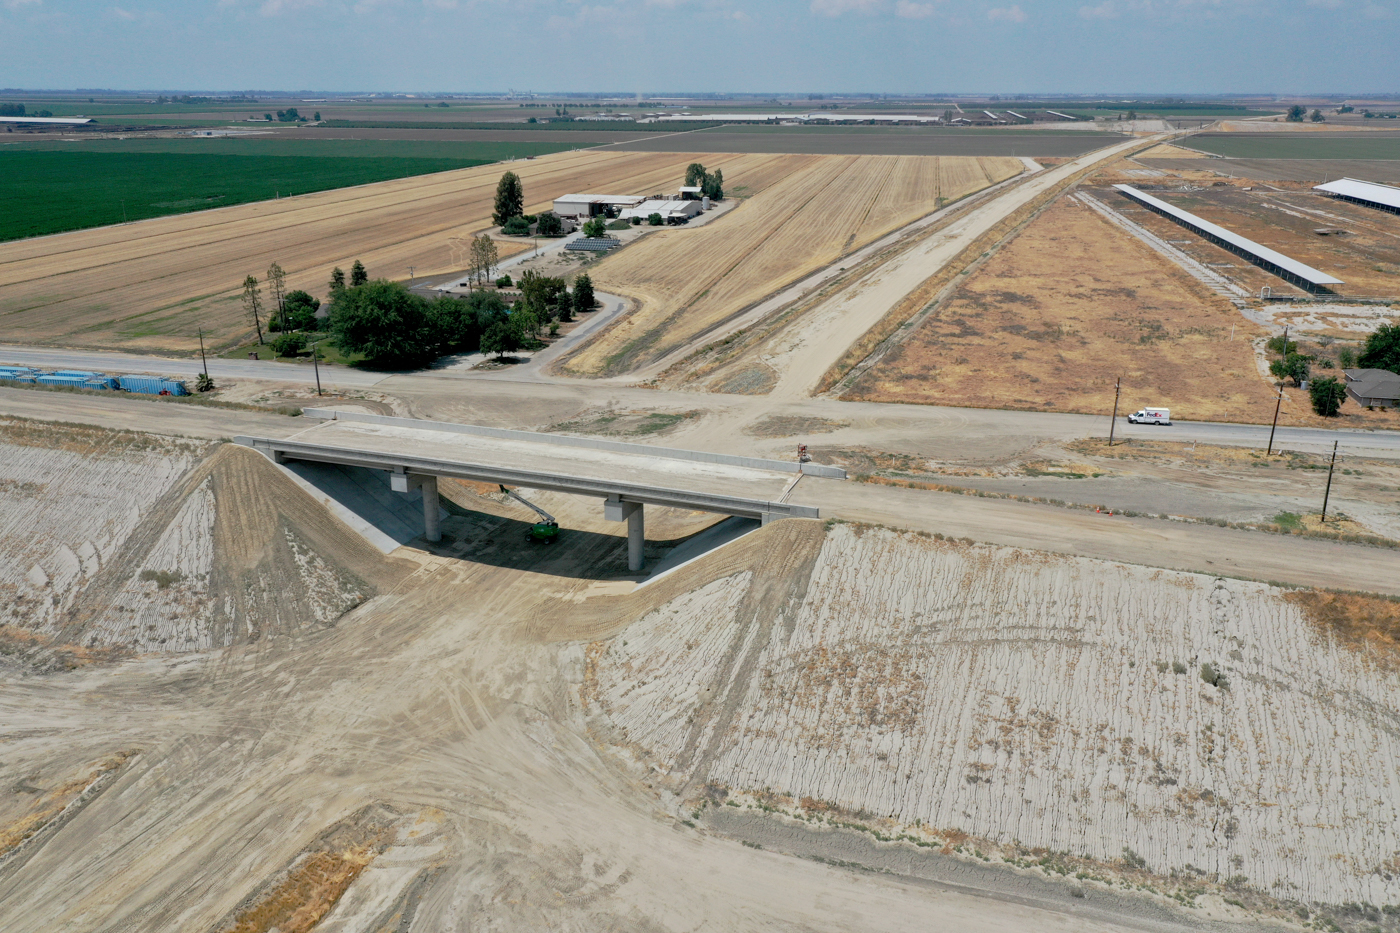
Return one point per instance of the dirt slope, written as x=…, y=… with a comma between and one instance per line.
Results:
x=136, y=543
x=1060, y=704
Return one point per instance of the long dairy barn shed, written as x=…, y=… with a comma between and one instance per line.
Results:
x=1285, y=267
x=1381, y=197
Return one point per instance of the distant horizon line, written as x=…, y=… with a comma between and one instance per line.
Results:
x=1123, y=96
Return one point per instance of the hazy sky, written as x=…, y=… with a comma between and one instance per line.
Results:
x=891, y=46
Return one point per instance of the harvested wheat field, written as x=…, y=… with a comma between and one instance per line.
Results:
x=151, y=285
x=822, y=208
x=1057, y=314
x=1219, y=731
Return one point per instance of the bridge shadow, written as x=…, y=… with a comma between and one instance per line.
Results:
x=362, y=499
x=499, y=541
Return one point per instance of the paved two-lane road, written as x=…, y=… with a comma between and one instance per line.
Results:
x=733, y=411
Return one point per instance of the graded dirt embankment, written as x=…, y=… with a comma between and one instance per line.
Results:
x=152, y=285
x=1208, y=726
x=121, y=543
x=688, y=281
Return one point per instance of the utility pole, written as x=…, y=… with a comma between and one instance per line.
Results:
x=1113, y=424
x=201, y=353
x=1328, y=494
x=1278, y=404
x=315, y=364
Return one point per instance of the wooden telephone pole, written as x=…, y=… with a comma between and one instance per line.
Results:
x=1278, y=404
x=1328, y=494
x=1112, y=425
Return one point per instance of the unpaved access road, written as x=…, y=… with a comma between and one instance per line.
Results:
x=1151, y=542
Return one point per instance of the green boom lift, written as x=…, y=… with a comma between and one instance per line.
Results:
x=543, y=531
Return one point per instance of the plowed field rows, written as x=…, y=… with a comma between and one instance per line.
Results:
x=823, y=207
x=151, y=285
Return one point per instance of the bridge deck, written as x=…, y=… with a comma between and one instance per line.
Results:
x=629, y=476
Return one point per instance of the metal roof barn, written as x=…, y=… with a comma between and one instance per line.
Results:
x=61, y=121
x=588, y=205
x=1286, y=268
x=1383, y=197
x=667, y=209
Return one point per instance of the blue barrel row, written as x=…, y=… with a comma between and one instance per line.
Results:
x=81, y=379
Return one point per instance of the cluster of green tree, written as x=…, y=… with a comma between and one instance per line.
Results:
x=1382, y=350
x=290, y=313
x=17, y=110
x=187, y=99
x=1346, y=108
x=290, y=115
x=393, y=327
x=544, y=302
x=1290, y=363
x=1298, y=111
x=1379, y=115
x=1327, y=393
x=482, y=259
x=711, y=184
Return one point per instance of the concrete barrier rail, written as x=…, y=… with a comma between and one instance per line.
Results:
x=590, y=443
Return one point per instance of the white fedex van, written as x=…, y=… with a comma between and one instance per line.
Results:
x=1151, y=416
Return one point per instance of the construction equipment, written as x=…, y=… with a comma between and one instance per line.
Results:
x=544, y=531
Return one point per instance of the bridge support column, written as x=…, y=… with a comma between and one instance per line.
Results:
x=615, y=510
x=400, y=481
x=431, y=529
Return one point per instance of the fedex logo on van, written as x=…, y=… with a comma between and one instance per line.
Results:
x=1151, y=416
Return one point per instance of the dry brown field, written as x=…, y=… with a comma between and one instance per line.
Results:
x=152, y=285
x=1366, y=257
x=1170, y=152
x=1313, y=171
x=817, y=209
x=1071, y=304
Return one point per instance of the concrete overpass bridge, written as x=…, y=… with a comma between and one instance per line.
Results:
x=627, y=477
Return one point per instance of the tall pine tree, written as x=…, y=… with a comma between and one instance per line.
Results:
x=510, y=199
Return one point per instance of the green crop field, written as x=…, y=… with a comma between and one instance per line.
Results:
x=1324, y=145
x=474, y=152
x=549, y=125
x=44, y=190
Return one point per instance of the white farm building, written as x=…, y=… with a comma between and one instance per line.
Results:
x=671, y=212
x=584, y=206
